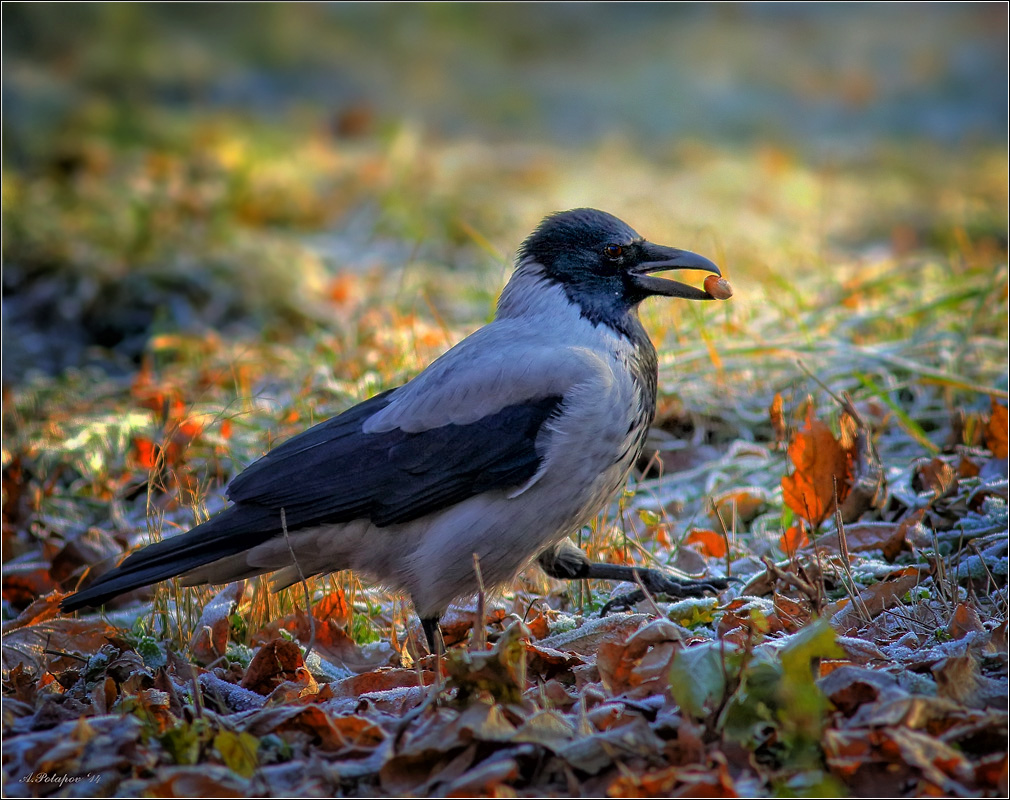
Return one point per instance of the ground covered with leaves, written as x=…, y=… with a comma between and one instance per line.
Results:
x=187, y=288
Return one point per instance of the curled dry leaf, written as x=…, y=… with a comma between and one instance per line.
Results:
x=274, y=663
x=210, y=637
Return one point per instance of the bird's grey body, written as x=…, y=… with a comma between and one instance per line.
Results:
x=506, y=444
x=587, y=449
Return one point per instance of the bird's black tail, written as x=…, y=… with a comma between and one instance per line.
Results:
x=236, y=529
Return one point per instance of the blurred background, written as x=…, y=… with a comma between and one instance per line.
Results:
x=225, y=222
x=224, y=167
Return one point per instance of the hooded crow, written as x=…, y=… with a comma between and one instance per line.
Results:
x=503, y=447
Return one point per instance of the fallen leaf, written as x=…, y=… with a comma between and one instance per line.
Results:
x=707, y=542
x=887, y=537
x=778, y=420
x=210, y=637
x=964, y=621
x=793, y=539
x=820, y=463
x=848, y=617
x=640, y=666
x=274, y=663
x=996, y=430
x=742, y=504
x=205, y=780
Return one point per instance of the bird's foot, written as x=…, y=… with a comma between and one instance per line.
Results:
x=656, y=582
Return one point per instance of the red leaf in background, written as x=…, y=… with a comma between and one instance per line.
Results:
x=225, y=429
x=145, y=452
x=333, y=608
x=778, y=419
x=708, y=543
x=793, y=539
x=996, y=430
x=820, y=463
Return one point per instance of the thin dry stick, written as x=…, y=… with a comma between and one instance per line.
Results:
x=479, y=640
x=992, y=580
x=305, y=588
x=725, y=534
x=843, y=549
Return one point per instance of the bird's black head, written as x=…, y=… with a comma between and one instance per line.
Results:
x=604, y=266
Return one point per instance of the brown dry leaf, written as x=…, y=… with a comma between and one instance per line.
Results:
x=94, y=546
x=274, y=663
x=25, y=582
x=210, y=637
x=820, y=462
x=414, y=771
x=794, y=614
x=888, y=537
x=996, y=430
x=936, y=476
x=991, y=773
x=457, y=622
x=847, y=618
x=964, y=621
x=693, y=780
x=850, y=687
x=312, y=721
x=548, y=663
x=205, y=780
x=867, y=482
x=500, y=671
x=484, y=779
x=104, y=696
x=380, y=680
x=331, y=640
x=958, y=679
x=707, y=543
x=640, y=666
x=936, y=760
x=39, y=611
x=539, y=626
x=82, y=637
x=751, y=616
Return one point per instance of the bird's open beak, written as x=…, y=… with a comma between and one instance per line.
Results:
x=658, y=258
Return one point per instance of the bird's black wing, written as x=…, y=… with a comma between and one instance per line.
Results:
x=335, y=472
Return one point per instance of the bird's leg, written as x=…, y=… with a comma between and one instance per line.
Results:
x=433, y=634
x=568, y=562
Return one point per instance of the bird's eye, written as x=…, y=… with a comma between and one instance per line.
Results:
x=613, y=251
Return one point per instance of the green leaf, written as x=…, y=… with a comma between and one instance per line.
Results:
x=817, y=640
x=697, y=678
x=238, y=751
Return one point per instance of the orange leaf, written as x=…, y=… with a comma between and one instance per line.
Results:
x=709, y=543
x=819, y=462
x=145, y=452
x=793, y=539
x=333, y=607
x=996, y=430
x=778, y=418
